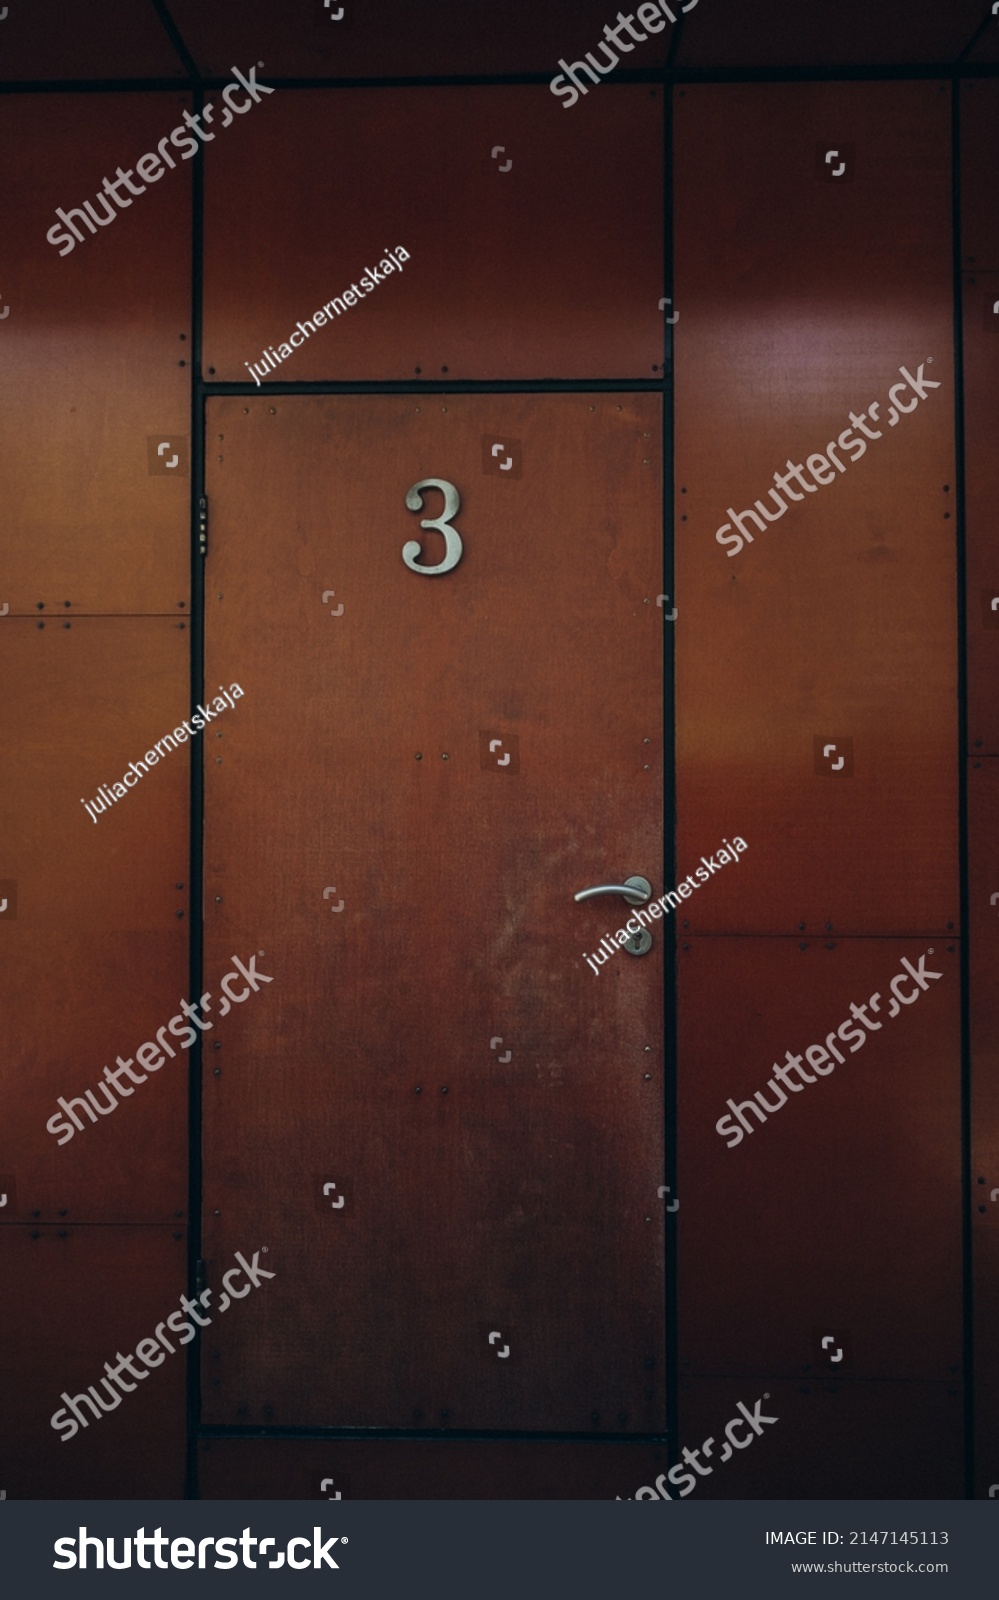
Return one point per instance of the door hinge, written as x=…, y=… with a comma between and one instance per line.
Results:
x=203, y=525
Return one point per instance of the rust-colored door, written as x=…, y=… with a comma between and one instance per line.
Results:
x=444, y=1125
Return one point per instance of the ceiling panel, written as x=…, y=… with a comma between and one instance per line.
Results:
x=65, y=39
x=760, y=33
x=394, y=38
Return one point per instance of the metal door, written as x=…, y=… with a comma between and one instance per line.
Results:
x=443, y=1124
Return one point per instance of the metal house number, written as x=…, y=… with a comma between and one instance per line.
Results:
x=452, y=538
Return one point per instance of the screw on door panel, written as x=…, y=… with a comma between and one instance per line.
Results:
x=492, y=1045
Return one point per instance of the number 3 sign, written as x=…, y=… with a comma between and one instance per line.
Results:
x=452, y=538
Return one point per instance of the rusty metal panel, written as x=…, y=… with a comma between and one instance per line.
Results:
x=50, y=40
x=816, y=715
x=424, y=1469
x=473, y=1113
x=471, y=301
x=981, y=407
x=94, y=341
x=983, y=913
x=980, y=254
x=83, y=1297
x=980, y=172
x=986, y=1433
x=347, y=40
x=756, y=33
x=832, y=1440
x=93, y=916
x=836, y=1215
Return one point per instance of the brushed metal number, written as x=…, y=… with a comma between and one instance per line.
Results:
x=452, y=538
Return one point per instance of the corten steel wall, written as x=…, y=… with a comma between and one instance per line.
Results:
x=802, y=294
x=95, y=664
x=980, y=286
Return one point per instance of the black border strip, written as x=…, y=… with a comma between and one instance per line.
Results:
x=666, y=76
x=197, y=820
x=669, y=935
x=962, y=785
x=417, y=386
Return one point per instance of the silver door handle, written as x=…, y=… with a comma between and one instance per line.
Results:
x=636, y=891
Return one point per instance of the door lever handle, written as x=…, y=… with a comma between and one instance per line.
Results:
x=636, y=891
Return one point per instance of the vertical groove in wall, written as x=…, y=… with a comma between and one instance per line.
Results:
x=962, y=778
x=196, y=986
x=669, y=793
